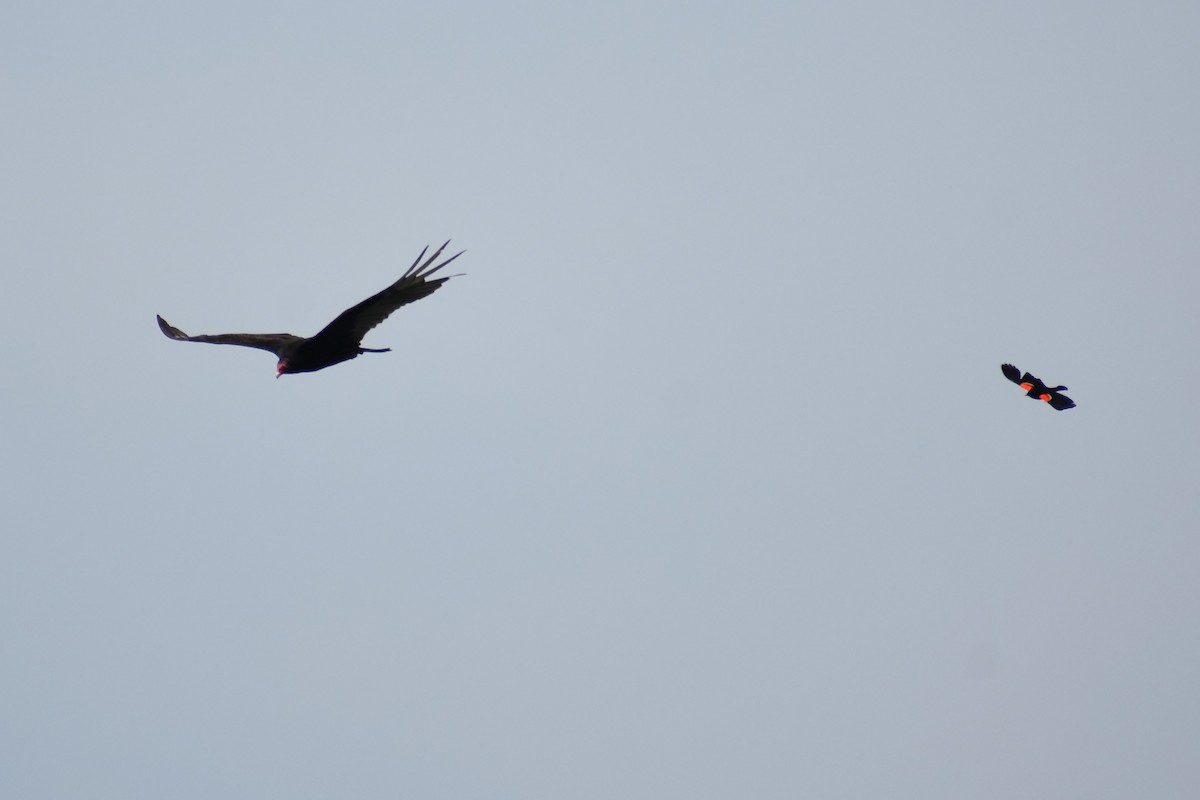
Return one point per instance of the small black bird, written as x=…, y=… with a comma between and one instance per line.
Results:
x=1037, y=390
x=340, y=340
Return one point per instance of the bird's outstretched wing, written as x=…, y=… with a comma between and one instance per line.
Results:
x=1011, y=372
x=1025, y=380
x=352, y=324
x=272, y=342
x=1060, y=401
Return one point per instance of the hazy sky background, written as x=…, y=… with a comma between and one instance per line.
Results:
x=702, y=483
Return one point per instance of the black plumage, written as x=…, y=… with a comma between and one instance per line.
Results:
x=340, y=340
x=1037, y=389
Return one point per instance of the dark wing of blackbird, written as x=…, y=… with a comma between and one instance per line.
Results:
x=1011, y=372
x=1037, y=389
x=1060, y=401
x=340, y=340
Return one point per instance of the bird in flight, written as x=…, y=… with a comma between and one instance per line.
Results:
x=340, y=340
x=1037, y=390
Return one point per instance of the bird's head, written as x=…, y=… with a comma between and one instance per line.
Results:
x=281, y=367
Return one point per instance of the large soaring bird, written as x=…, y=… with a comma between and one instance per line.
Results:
x=341, y=339
x=1037, y=390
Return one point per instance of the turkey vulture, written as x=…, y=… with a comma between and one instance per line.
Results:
x=341, y=339
x=1037, y=390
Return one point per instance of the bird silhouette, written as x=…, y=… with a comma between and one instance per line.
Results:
x=340, y=340
x=1037, y=390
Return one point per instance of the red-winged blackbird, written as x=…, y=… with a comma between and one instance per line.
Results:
x=341, y=339
x=1037, y=390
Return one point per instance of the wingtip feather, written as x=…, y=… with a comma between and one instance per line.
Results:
x=420, y=269
x=169, y=330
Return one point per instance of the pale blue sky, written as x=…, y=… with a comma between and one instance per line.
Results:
x=702, y=483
